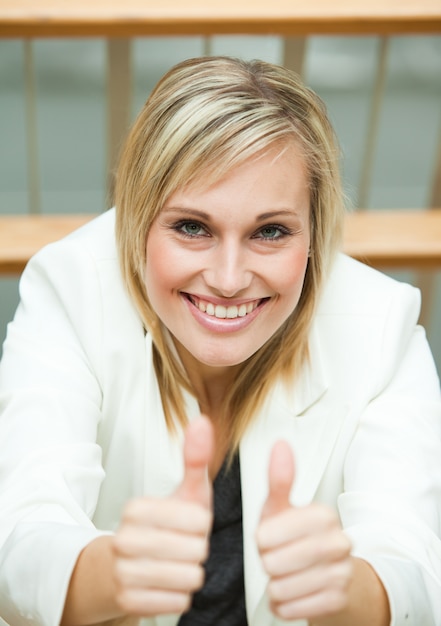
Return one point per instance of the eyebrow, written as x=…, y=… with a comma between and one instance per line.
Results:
x=206, y=217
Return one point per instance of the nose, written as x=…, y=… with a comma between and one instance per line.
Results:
x=228, y=271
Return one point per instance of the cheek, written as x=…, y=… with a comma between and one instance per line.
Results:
x=291, y=274
x=157, y=270
x=166, y=268
x=159, y=261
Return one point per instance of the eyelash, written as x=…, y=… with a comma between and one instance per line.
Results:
x=178, y=227
x=284, y=231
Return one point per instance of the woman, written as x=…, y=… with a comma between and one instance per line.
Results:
x=311, y=491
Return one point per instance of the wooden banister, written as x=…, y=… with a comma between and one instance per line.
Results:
x=131, y=18
x=395, y=239
x=383, y=239
x=21, y=236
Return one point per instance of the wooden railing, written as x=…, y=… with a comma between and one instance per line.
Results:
x=383, y=239
x=133, y=18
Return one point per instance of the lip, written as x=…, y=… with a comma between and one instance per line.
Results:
x=223, y=325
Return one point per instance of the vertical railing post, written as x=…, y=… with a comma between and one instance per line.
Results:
x=294, y=53
x=119, y=100
x=207, y=48
x=33, y=170
x=373, y=124
x=435, y=192
x=426, y=280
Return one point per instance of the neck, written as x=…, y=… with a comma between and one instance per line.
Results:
x=210, y=384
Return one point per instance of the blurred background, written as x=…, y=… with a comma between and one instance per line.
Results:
x=57, y=150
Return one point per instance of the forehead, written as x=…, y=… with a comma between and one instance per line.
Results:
x=275, y=180
x=285, y=160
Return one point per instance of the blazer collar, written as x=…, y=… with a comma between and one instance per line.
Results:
x=308, y=419
x=310, y=385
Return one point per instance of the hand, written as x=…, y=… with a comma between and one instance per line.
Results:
x=304, y=550
x=161, y=543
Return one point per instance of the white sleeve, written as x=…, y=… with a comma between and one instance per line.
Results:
x=391, y=505
x=50, y=410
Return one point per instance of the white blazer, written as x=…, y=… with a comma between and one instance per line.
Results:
x=82, y=431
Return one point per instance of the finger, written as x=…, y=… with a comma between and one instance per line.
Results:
x=152, y=602
x=172, y=513
x=311, y=528
x=198, y=452
x=325, y=603
x=160, y=543
x=158, y=574
x=306, y=553
x=335, y=576
x=280, y=479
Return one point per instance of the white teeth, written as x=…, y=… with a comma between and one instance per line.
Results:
x=220, y=311
x=232, y=312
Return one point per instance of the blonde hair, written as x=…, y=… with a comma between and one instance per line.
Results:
x=205, y=117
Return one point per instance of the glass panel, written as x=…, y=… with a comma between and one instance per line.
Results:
x=13, y=162
x=71, y=80
x=410, y=124
x=153, y=57
x=342, y=71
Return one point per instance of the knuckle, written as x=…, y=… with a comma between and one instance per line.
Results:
x=262, y=536
x=325, y=516
x=332, y=546
x=276, y=591
x=199, y=578
x=269, y=564
x=133, y=509
x=335, y=602
x=346, y=544
x=123, y=600
x=185, y=603
x=181, y=603
x=281, y=610
x=320, y=550
x=203, y=550
x=344, y=574
x=119, y=572
x=120, y=543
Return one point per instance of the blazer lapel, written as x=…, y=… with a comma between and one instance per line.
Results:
x=305, y=417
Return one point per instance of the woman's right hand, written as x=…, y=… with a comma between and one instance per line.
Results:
x=161, y=544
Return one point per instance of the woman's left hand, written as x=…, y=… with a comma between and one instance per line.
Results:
x=304, y=550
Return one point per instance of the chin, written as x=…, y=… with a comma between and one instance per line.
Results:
x=223, y=358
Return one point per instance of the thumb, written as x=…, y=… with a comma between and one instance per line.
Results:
x=280, y=479
x=198, y=452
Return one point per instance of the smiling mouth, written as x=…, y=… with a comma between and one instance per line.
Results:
x=225, y=312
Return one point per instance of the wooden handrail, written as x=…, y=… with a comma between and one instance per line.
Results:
x=130, y=18
x=383, y=239
x=395, y=239
x=21, y=236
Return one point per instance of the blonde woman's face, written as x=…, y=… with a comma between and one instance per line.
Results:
x=226, y=264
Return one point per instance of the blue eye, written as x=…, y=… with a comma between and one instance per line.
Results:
x=190, y=229
x=272, y=232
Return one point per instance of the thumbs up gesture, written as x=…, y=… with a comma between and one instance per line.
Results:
x=303, y=549
x=161, y=543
